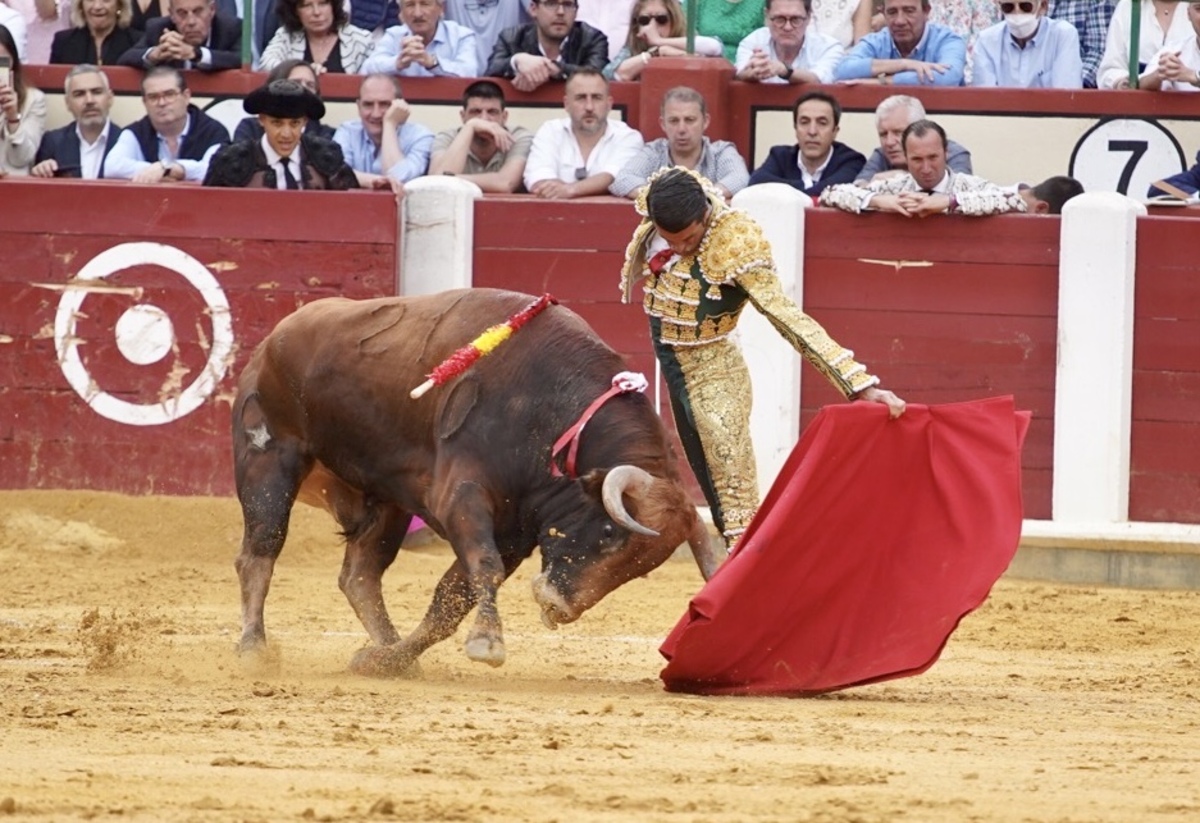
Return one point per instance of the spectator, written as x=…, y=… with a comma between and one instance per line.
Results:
x=928, y=187
x=684, y=119
x=487, y=20
x=892, y=117
x=146, y=10
x=12, y=20
x=194, y=36
x=785, y=50
x=383, y=145
x=966, y=18
x=78, y=149
x=101, y=33
x=611, y=17
x=375, y=16
x=582, y=153
x=730, y=21
x=173, y=142
x=43, y=19
x=1028, y=50
x=318, y=32
x=24, y=113
x=1090, y=19
x=656, y=29
x=1163, y=23
x=1184, y=185
x=1176, y=68
x=1050, y=195
x=425, y=45
x=846, y=21
x=483, y=149
x=817, y=160
x=910, y=51
x=288, y=155
x=303, y=73
x=552, y=47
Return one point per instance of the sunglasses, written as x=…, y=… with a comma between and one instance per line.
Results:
x=661, y=19
x=1009, y=8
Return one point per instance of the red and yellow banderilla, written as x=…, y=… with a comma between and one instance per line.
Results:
x=483, y=345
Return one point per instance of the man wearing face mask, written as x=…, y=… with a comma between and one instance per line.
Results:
x=1028, y=50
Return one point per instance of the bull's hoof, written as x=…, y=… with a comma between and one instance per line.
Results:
x=259, y=659
x=385, y=661
x=483, y=649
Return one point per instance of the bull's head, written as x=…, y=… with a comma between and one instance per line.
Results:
x=644, y=519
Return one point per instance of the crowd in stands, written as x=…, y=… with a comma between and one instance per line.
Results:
x=580, y=44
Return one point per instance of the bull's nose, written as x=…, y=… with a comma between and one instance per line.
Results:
x=555, y=609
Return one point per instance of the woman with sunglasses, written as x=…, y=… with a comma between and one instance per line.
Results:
x=656, y=29
x=22, y=113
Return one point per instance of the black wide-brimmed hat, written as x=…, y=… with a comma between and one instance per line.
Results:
x=284, y=98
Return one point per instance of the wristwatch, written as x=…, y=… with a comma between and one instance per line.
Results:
x=786, y=74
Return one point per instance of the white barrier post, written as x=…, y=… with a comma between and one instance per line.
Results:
x=438, y=233
x=1094, y=381
x=774, y=366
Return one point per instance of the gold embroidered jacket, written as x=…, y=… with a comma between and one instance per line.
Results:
x=698, y=298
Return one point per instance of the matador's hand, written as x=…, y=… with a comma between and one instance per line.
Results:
x=874, y=394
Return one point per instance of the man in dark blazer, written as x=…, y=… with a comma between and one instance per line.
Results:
x=286, y=156
x=816, y=160
x=78, y=149
x=552, y=47
x=194, y=36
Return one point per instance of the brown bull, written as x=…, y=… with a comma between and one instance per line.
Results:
x=323, y=415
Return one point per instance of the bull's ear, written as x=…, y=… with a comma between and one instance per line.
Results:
x=593, y=482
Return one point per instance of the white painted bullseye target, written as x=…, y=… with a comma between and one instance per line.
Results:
x=144, y=334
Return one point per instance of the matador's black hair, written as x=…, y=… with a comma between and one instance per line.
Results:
x=676, y=200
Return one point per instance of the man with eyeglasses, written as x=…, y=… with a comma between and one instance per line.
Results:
x=581, y=154
x=1090, y=19
x=553, y=47
x=1028, y=50
x=194, y=35
x=785, y=51
x=173, y=142
x=910, y=51
x=424, y=45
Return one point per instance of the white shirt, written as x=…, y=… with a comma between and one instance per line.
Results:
x=91, y=155
x=1189, y=55
x=1114, y=65
x=819, y=53
x=612, y=18
x=12, y=20
x=555, y=154
x=273, y=160
x=811, y=179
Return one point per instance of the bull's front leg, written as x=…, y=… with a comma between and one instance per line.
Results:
x=470, y=531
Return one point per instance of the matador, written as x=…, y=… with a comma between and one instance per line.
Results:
x=701, y=260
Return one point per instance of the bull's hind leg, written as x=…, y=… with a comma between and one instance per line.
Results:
x=268, y=474
x=371, y=546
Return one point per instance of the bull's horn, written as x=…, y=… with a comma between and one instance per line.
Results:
x=702, y=549
x=622, y=480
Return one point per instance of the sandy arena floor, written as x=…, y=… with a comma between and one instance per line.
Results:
x=123, y=700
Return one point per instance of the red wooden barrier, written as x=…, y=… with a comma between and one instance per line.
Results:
x=269, y=252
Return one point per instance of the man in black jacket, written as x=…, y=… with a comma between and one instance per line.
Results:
x=194, y=36
x=816, y=160
x=552, y=47
x=286, y=156
x=78, y=149
x=174, y=141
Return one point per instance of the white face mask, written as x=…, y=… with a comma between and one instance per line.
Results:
x=1020, y=25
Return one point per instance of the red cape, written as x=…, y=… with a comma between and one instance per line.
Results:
x=876, y=539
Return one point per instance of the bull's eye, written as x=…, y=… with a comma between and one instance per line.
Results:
x=609, y=531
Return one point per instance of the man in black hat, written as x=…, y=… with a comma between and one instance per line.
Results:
x=285, y=157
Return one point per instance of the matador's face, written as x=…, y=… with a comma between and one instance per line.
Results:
x=687, y=240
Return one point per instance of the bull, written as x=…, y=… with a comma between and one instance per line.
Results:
x=323, y=415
